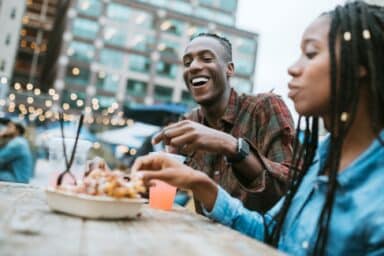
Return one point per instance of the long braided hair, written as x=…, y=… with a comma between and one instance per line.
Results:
x=358, y=28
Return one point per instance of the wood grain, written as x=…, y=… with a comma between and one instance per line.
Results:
x=29, y=227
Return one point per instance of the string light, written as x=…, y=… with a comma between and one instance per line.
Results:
x=73, y=96
x=30, y=100
x=48, y=103
x=37, y=91
x=17, y=86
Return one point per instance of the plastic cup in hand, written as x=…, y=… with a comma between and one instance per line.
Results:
x=162, y=195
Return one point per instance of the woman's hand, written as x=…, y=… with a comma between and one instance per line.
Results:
x=161, y=167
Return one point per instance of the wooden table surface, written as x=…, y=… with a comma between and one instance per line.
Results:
x=29, y=227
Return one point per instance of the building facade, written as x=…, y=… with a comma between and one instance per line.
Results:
x=130, y=51
x=117, y=53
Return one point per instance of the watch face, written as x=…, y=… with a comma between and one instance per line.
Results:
x=242, y=151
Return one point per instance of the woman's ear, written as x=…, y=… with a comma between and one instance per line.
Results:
x=362, y=72
x=230, y=69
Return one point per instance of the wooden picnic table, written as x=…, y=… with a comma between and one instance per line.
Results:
x=29, y=227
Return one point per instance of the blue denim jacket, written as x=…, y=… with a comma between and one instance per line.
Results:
x=357, y=223
x=16, y=163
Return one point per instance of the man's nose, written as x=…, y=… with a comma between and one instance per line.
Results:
x=195, y=65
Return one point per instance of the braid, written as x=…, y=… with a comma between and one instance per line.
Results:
x=222, y=40
x=302, y=156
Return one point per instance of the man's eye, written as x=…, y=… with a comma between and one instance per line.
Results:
x=187, y=63
x=207, y=59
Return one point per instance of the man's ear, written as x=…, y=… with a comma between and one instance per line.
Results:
x=230, y=69
x=362, y=72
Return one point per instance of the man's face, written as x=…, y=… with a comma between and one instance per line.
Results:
x=206, y=71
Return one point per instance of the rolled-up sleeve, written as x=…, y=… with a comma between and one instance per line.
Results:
x=272, y=146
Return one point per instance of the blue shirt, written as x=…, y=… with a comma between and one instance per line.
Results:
x=16, y=164
x=357, y=223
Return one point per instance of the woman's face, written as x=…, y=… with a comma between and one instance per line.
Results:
x=309, y=87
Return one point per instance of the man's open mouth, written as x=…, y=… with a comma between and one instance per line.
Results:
x=199, y=81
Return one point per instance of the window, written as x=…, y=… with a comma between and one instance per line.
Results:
x=181, y=6
x=13, y=13
x=173, y=26
x=136, y=88
x=77, y=76
x=85, y=28
x=163, y=94
x=80, y=51
x=115, y=36
x=7, y=39
x=108, y=82
x=207, y=2
x=169, y=49
x=141, y=42
x=139, y=63
x=142, y=19
x=105, y=101
x=118, y=12
x=244, y=64
x=228, y=5
x=222, y=18
x=245, y=45
x=241, y=85
x=111, y=58
x=90, y=7
x=2, y=65
x=166, y=69
x=187, y=99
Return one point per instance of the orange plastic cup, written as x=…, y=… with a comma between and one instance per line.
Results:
x=162, y=195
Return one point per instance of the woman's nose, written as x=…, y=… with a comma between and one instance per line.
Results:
x=294, y=70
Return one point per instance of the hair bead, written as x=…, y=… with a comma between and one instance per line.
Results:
x=347, y=36
x=366, y=34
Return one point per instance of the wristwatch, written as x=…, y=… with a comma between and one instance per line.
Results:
x=242, y=151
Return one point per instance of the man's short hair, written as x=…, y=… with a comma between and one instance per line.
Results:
x=222, y=40
x=20, y=127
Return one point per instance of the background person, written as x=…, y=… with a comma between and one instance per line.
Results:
x=16, y=163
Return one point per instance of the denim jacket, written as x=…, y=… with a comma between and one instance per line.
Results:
x=16, y=163
x=357, y=222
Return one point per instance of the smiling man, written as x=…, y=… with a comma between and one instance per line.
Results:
x=243, y=142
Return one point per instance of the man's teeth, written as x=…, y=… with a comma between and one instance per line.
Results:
x=199, y=80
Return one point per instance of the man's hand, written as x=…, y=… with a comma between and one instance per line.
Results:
x=189, y=136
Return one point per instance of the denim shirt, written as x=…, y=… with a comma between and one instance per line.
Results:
x=357, y=223
x=16, y=163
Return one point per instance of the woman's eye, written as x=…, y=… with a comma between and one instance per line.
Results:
x=310, y=55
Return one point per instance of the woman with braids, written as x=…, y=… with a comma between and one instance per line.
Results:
x=335, y=203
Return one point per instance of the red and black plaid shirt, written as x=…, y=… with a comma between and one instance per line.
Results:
x=266, y=123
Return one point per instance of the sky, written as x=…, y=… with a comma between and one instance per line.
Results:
x=280, y=25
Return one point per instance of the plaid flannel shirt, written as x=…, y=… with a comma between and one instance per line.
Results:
x=266, y=123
